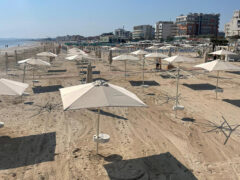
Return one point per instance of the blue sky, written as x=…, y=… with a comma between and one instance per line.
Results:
x=50, y=18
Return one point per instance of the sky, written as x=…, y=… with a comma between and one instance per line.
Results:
x=51, y=18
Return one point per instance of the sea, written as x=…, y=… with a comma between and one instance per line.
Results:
x=12, y=42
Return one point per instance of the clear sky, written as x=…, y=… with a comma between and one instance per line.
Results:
x=51, y=18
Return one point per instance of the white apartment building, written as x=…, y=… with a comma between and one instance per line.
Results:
x=165, y=29
x=233, y=27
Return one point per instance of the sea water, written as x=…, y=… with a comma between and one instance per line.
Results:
x=13, y=42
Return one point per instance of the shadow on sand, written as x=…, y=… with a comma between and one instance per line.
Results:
x=201, y=87
x=163, y=166
x=46, y=89
x=27, y=150
x=105, y=113
x=235, y=102
x=139, y=83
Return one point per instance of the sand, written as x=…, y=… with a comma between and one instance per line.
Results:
x=41, y=141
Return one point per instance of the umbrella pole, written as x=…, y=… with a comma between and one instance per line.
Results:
x=143, y=74
x=125, y=69
x=98, y=127
x=177, y=91
x=217, y=84
x=33, y=75
x=24, y=71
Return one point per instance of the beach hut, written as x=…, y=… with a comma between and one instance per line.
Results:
x=218, y=65
x=98, y=94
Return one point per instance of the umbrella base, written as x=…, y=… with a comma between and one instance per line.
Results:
x=219, y=90
x=1, y=124
x=145, y=86
x=35, y=81
x=178, y=107
x=103, y=138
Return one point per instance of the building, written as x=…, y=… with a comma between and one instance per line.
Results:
x=232, y=28
x=143, y=32
x=122, y=34
x=107, y=38
x=164, y=30
x=197, y=24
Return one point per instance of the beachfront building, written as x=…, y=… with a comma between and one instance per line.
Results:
x=108, y=38
x=143, y=32
x=122, y=34
x=232, y=29
x=197, y=24
x=165, y=29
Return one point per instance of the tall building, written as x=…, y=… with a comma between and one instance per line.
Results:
x=232, y=28
x=123, y=34
x=197, y=24
x=143, y=32
x=165, y=29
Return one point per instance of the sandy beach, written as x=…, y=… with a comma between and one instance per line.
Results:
x=41, y=141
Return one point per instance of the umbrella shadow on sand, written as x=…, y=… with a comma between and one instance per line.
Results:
x=235, y=102
x=201, y=87
x=162, y=166
x=105, y=113
x=27, y=150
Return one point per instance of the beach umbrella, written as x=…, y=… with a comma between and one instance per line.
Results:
x=33, y=62
x=12, y=88
x=156, y=56
x=218, y=65
x=178, y=59
x=125, y=58
x=89, y=73
x=47, y=54
x=76, y=51
x=110, y=59
x=222, y=52
x=98, y=94
x=115, y=49
x=141, y=54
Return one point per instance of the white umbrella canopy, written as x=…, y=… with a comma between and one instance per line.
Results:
x=152, y=48
x=222, y=52
x=218, y=65
x=125, y=57
x=156, y=55
x=139, y=52
x=12, y=88
x=46, y=54
x=76, y=51
x=35, y=62
x=178, y=59
x=115, y=49
x=96, y=95
x=79, y=57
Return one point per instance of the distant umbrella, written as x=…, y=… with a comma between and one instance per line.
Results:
x=218, y=65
